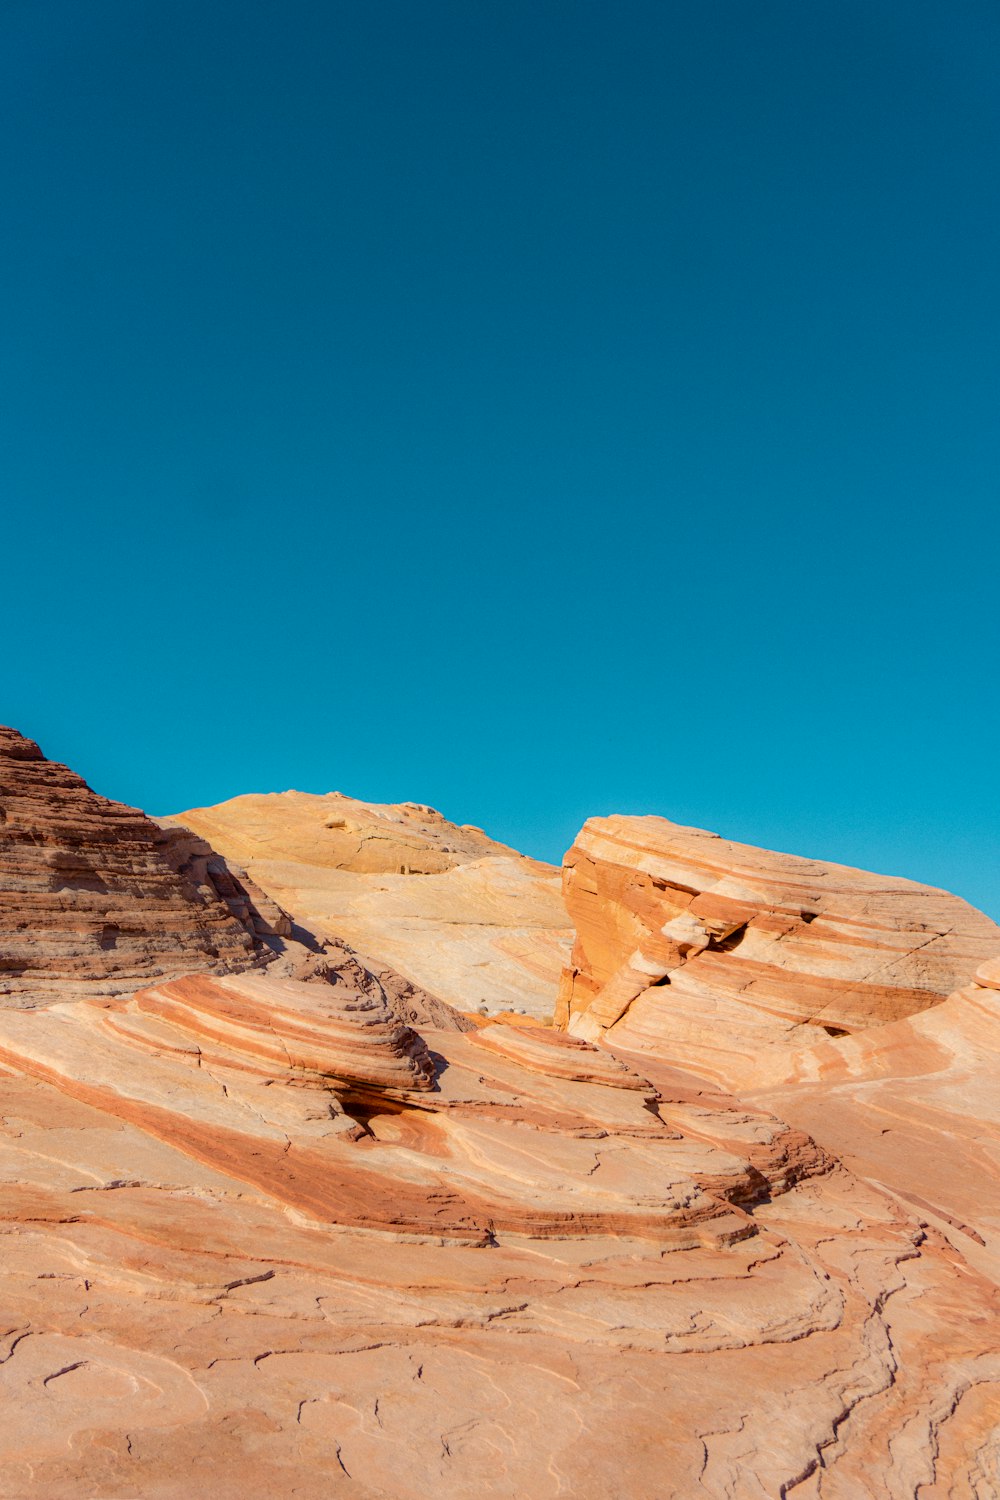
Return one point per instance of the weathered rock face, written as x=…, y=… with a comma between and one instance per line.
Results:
x=255, y=1239
x=98, y=897
x=335, y=961
x=263, y=1025
x=709, y=953
x=914, y=1105
x=262, y=1237
x=463, y=917
x=96, y=894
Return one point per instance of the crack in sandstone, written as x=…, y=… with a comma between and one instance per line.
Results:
x=612, y=1260
x=66, y=1370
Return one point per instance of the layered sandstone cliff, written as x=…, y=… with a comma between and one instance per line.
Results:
x=96, y=894
x=462, y=916
x=262, y=1236
x=711, y=953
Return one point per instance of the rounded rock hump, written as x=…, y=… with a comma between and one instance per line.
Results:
x=288, y=1027
x=465, y=918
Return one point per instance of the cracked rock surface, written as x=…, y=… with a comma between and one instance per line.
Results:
x=284, y=1277
x=260, y=1236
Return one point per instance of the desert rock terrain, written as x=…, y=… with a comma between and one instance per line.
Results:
x=96, y=895
x=733, y=1234
x=695, y=947
x=392, y=880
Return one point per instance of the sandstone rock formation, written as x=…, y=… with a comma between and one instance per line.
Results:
x=335, y=961
x=710, y=953
x=96, y=893
x=310, y=1273
x=914, y=1105
x=350, y=869
x=261, y=1236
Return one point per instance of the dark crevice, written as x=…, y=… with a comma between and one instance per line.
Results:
x=731, y=941
x=659, y=884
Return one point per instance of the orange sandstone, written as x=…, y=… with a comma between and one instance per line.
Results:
x=263, y=1236
x=467, y=919
x=710, y=953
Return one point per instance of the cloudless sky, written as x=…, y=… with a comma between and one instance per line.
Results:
x=535, y=409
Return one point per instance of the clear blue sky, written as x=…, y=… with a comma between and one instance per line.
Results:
x=533, y=409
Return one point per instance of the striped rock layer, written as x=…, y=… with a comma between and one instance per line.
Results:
x=95, y=894
x=913, y=1105
x=710, y=952
x=263, y=1243
x=260, y=1237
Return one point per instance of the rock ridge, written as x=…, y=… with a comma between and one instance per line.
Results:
x=96, y=895
x=706, y=950
x=390, y=879
x=263, y=1236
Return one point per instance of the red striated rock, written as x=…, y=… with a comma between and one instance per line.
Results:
x=97, y=895
x=307, y=1032
x=237, y=1246
x=705, y=951
x=261, y=1238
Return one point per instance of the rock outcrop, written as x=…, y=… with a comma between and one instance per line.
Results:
x=241, y=1244
x=461, y=916
x=335, y=961
x=913, y=1105
x=263, y=1236
x=98, y=895
x=710, y=953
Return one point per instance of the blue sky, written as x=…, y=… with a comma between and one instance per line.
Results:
x=536, y=410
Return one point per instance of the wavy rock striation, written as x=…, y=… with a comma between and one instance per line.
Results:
x=262, y=1237
x=249, y=1237
x=97, y=895
x=709, y=952
x=913, y=1105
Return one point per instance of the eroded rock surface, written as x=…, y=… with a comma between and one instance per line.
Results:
x=242, y=1244
x=914, y=1105
x=465, y=918
x=710, y=952
x=261, y=1236
x=95, y=893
